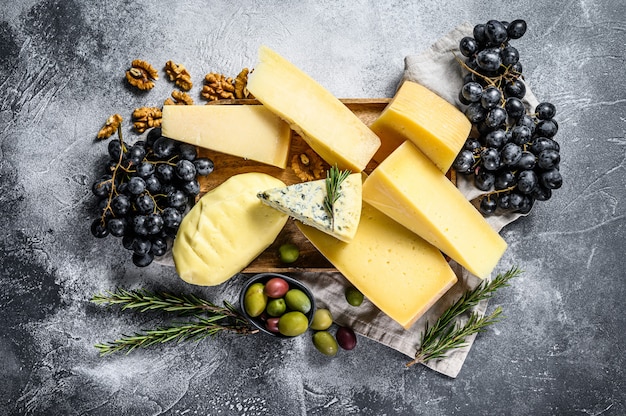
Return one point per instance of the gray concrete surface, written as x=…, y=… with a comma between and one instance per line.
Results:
x=560, y=350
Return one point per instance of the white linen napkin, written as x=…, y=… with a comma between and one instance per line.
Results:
x=437, y=69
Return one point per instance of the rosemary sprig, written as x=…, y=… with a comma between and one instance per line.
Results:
x=144, y=301
x=216, y=319
x=444, y=335
x=179, y=332
x=334, y=178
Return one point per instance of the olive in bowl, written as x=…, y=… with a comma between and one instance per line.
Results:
x=278, y=305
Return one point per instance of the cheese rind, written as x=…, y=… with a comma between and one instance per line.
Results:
x=417, y=114
x=324, y=122
x=248, y=131
x=395, y=269
x=409, y=188
x=305, y=202
x=226, y=229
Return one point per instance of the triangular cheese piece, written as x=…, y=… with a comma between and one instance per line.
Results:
x=305, y=202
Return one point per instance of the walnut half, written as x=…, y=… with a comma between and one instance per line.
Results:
x=241, y=84
x=110, y=126
x=142, y=75
x=179, y=98
x=146, y=117
x=179, y=74
x=218, y=87
x=308, y=165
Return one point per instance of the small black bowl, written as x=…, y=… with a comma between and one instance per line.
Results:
x=263, y=278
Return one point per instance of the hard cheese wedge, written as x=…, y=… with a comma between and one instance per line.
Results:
x=249, y=131
x=305, y=202
x=395, y=269
x=324, y=122
x=409, y=188
x=227, y=229
x=434, y=125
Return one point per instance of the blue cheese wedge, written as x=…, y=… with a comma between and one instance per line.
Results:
x=305, y=202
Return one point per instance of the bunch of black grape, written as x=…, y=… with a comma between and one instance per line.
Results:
x=145, y=191
x=513, y=155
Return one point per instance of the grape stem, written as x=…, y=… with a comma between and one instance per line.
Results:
x=156, y=206
x=167, y=162
x=117, y=166
x=509, y=74
x=464, y=65
x=510, y=188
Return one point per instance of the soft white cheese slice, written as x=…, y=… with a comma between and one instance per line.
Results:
x=305, y=202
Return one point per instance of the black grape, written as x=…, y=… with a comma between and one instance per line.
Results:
x=515, y=159
x=146, y=192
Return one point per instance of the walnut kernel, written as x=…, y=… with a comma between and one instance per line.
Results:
x=146, y=117
x=217, y=87
x=110, y=126
x=179, y=98
x=241, y=84
x=179, y=74
x=308, y=165
x=142, y=75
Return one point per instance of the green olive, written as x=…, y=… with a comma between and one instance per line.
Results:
x=288, y=253
x=322, y=319
x=353, y=296
x=325, y=343
x=255, y=288
x=297, y=300
x=255, y=300
x=293, y=323
x=276, y=307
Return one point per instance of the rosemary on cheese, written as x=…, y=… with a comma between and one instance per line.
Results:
x=334, y=178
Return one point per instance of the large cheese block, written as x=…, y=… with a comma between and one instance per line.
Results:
x=305, y=202
x=417, y=114
x=394, y=268
x=226, y=229
x=324, y=122
x=249, y=131
x=409, y=188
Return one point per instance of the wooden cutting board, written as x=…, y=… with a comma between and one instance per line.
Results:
x=226, y=166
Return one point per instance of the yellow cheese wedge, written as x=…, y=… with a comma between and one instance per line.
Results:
x=434, y=125
x=227, y=229
x=249, y=131
x=395, y=269
x=409, y=188
x=324, y=122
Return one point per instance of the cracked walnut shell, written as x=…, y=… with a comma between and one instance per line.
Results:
x=146, y=117
x=142, y=75
x=179, y=74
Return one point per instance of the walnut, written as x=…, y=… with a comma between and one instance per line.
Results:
x=218, y=87
x=179, y=98
x=308, y=165
x=178, y=74
x=146, y=117
x=110, y=126
x=241, y=83
x=142, y=75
